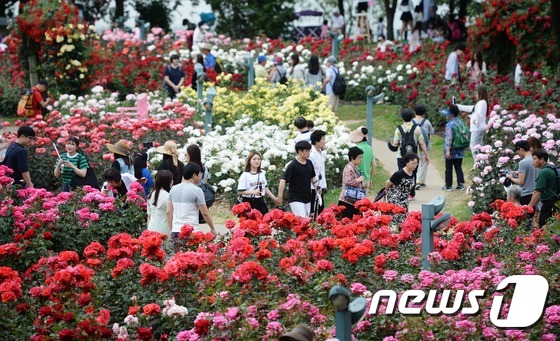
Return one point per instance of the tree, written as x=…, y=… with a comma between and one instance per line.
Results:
x=515, y=32
x=247, y=19
x=92, y=10
x=156, y=12
x=390, y=9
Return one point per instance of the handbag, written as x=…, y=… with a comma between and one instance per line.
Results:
x=354, y=193
x=89, y=180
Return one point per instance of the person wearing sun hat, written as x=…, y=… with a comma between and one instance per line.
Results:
x=368, y=164
x=121, y=151
x=298, y=333
x=278, y=73
x=209, y=59
x=171, y=161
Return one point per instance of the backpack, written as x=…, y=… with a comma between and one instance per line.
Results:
x=283, y=78
x=25, y=105
x=218, y=67
x=339, y=84
x=461, y=136
x=408, y=145
x=425, y=133
x=557, y=172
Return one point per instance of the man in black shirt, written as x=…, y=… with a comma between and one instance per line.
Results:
x=299, y=174
x=16, y=157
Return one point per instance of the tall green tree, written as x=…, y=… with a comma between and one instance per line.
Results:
x=156, y=12
x=249, y=18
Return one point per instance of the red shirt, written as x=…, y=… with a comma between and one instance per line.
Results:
x=37, y=99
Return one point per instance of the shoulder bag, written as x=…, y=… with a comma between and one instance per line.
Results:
x=89, y=180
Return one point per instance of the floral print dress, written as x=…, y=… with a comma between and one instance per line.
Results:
x=399, y=192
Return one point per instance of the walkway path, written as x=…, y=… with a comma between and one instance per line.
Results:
x=434, y=180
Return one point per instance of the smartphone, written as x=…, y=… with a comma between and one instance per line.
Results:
x=454, y=100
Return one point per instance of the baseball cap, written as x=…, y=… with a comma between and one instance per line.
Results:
x=261, y=58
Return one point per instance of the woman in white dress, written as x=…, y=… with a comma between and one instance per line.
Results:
x=157, y=203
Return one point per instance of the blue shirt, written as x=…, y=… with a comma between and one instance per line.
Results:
x=455, y=153
x=331, y=72
x=149, y=180
x=209, y=61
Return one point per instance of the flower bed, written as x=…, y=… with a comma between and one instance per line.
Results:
x=253, y=284
x=504, y=129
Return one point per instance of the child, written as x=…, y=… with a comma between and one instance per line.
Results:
x=325, y=29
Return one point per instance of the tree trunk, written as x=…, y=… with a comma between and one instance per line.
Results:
x=463, y=8
x=390, y=9
x=555, y=9
x=119, y=9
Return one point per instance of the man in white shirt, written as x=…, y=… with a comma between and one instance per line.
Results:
x=452, y=71
x=337, y=22
x=186, y=200
x=198, y=34
x=318, y=141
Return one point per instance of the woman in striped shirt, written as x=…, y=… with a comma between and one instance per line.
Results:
x=71, y=163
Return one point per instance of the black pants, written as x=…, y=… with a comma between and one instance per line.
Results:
x=349, y=210
x=321, y=207
x=449, y=164
x=526, y=199
x=547, y=210
x=401, y=164
x=257, y=203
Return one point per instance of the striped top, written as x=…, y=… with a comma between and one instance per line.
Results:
x=77, y=160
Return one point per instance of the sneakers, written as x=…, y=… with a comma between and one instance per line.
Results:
x=460, y=187
x=447, y=188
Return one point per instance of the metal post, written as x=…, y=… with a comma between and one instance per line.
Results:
x=208, y=120
x=251, y=73
x=199, y=88
x=428, y=212
x=343, y=324
x=335, y=46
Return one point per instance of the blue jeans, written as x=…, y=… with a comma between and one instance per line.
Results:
x=66, y=187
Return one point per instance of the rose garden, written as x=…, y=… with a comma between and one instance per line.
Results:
x=80, y=265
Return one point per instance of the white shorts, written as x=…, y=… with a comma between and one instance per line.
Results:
x=300, y=209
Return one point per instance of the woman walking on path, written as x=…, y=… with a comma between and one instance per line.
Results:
x=71, y=163
x=157, y=203
x=453, y=156
x=401, y=184
x=252, y=185
x=478, y=119
x=351, y=181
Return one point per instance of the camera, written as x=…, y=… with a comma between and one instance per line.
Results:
x=148, y=145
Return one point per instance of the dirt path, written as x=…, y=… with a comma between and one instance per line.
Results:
x=434, y=180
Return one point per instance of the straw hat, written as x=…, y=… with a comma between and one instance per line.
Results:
x=299, y=333
x=206, y=46
x=169, y=148
x=121, y=148
x=358, y=135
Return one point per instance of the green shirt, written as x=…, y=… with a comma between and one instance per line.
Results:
x=547, y=183
x=77, y=160
x=367, y=159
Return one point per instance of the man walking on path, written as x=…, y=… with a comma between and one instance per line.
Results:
x=427, y=131
x=546, y=189
x=16, y=157
x=368, y=164
x=300, y=173
x=186, y=201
